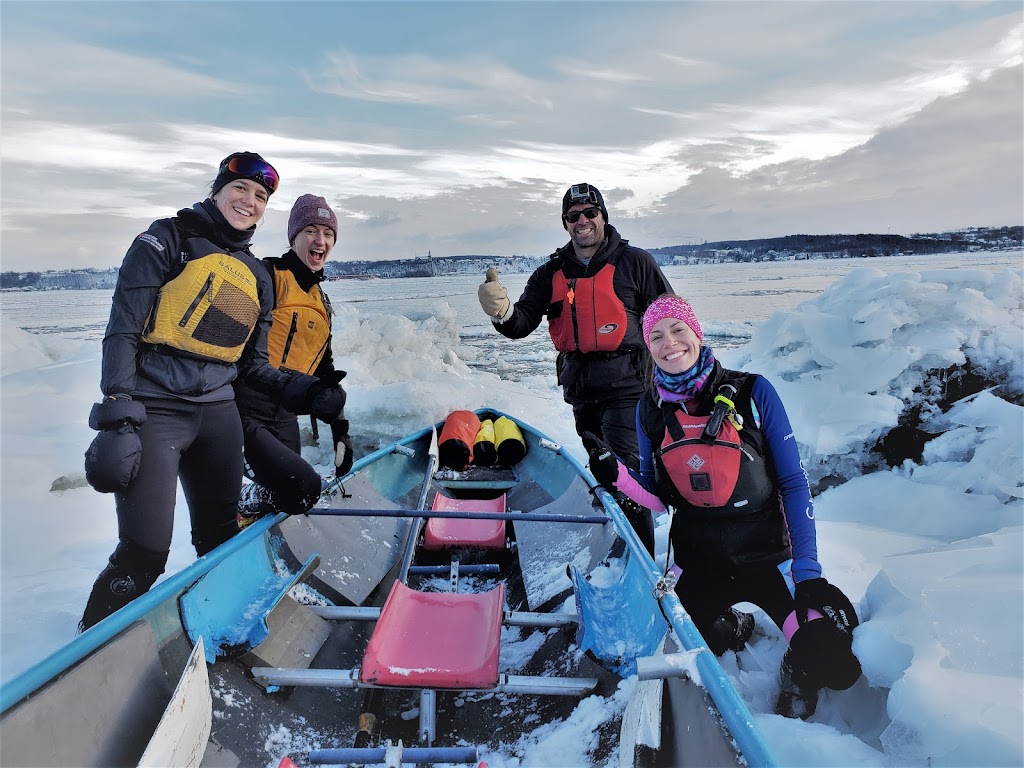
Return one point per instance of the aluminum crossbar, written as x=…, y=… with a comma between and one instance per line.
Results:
x=377, y=755
x=682, y=664
x=345, y=612
x=480, y=569
x=349, y=678
x=544, y=620
x=511, y=618
x=535, y=517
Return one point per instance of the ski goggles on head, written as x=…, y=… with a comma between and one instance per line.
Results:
x=573, y=216
x=253, y=168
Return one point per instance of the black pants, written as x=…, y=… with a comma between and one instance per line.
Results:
x=274, y=454
x=200, y=444
x=706, y=595
x=614, y=422
x=819, y=655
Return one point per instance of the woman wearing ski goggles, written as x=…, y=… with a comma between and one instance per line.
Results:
x=191, y=312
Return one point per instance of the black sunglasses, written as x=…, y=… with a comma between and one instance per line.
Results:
x=573, y=216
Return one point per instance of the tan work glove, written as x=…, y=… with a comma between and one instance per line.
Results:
x=493, y=296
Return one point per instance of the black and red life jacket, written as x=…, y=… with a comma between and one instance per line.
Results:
x=585, y=313
x=724, y=474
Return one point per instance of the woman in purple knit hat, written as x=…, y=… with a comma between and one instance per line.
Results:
x=299, y=341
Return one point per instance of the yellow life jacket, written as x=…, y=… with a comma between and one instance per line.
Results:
x=209, y=309
x=302, y=325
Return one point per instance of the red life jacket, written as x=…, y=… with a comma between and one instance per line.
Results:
x=585, y=314
x=724, y=473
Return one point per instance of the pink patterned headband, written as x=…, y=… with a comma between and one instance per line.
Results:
x=670, y=306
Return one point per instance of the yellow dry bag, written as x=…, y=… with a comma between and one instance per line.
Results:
x=508, y=439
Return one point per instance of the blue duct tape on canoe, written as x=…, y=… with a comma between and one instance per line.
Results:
x=229, y=605
x=618, y=620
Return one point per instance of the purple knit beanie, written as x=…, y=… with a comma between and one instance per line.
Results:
x=310, y=209
x=670, y=305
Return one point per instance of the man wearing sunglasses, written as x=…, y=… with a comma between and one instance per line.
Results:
x=593, y=291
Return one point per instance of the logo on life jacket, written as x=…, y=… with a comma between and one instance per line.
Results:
x=608, y=328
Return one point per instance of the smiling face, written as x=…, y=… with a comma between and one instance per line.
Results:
x=313, y=245
x=242, y=202
x=586, y=234
x=674, y=346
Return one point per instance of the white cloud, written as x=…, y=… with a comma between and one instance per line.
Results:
x=692, y=119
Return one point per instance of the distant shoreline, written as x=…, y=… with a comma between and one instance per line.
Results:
x=789, y=248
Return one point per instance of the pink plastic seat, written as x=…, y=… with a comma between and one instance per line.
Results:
x=456, y=533
x=436, y=640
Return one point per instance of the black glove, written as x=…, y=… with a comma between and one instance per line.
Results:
x=343, y=456
x=321, y=397
x=828, y=600
x=327, y=398
x=295, y=394
x=603, y=464
x=112, y=460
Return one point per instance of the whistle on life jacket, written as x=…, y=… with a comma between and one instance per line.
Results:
x=723, y=409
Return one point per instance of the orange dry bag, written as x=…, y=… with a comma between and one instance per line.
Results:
x=455, y=446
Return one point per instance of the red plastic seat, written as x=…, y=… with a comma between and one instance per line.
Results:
x=436, y=640
x=457, y=533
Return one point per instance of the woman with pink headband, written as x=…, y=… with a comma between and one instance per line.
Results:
x=717, y=447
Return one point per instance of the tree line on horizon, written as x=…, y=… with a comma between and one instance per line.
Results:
x=790, y=247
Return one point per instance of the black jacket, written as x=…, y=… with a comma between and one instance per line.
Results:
x=597, y=376
x=135, y=368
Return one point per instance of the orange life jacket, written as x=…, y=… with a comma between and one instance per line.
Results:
x=302, y=325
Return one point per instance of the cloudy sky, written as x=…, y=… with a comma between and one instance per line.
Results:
x=455, y=128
